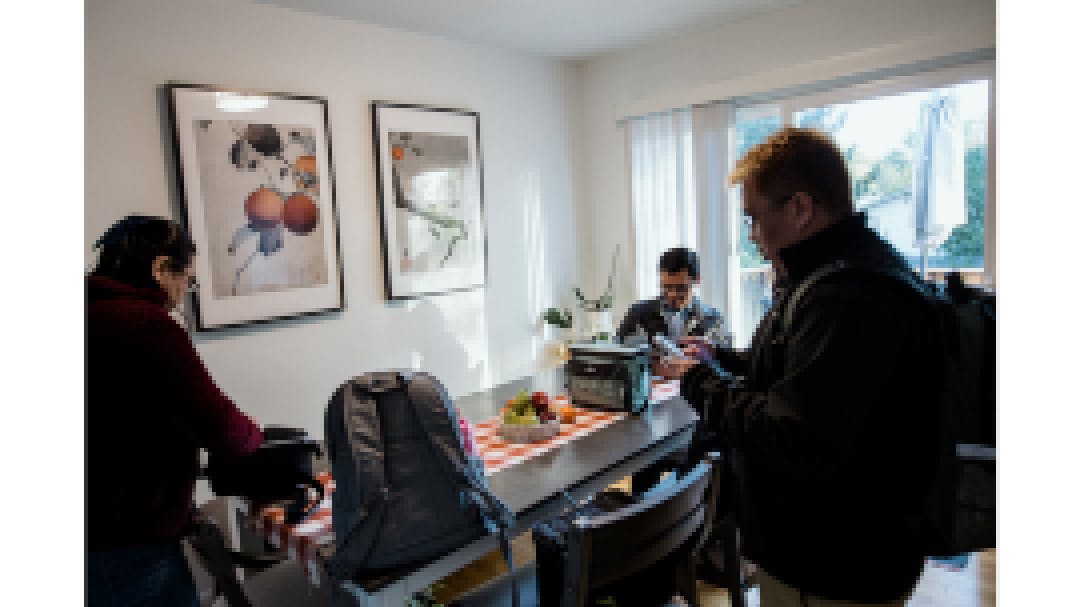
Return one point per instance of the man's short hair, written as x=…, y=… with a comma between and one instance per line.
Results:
x=680, y=259
x=797, y=159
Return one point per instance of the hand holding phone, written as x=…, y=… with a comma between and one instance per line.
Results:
x=669, y=348
x=697, y=346
x=674, y=367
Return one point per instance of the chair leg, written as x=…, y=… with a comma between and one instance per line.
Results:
x=686, y=580
x=732, y=563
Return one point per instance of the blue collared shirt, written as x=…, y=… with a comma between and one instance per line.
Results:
x=676, y=321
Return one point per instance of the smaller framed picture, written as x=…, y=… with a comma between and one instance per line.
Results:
x=430, y=191
x=257, y=186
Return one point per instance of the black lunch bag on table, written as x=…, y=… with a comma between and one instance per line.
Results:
x=281, y=471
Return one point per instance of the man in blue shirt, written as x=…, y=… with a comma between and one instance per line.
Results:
x=677, y=313
x=680, y=316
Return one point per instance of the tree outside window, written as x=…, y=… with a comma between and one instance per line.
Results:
x=877, y=137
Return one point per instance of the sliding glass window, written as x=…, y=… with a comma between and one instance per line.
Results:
x=919, y=151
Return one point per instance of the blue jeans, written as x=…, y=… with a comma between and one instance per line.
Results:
x=145, y=575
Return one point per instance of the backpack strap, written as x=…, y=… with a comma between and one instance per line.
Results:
x=363, y=435
x=504, y=547
x=845, y=268
x=429, y=399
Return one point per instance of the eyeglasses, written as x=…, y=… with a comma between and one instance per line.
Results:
x=678, y=288
x=190, y=282
x=749, y=220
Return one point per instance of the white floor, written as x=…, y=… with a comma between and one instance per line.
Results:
x=942, y=587
x=938, y=587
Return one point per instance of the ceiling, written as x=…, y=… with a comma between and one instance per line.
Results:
x=565, y=29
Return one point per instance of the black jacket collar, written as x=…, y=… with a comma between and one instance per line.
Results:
x=838, y=241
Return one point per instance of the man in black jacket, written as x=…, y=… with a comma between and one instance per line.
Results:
x=831, y=432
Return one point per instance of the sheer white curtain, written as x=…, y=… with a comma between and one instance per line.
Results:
x=679, y=163
x=662, y=192
x=717, y=213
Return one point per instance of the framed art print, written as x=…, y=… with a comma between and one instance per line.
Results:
x=430, y=191
x=257, y=186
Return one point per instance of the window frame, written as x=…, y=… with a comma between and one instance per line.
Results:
x=981, y=70
x=790, y=105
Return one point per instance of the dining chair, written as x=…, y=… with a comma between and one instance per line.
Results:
x=607, y=552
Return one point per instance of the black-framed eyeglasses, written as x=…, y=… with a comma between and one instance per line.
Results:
x=678, y=288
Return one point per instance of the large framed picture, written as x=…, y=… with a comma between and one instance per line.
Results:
x=430, y=189
x=257, y=186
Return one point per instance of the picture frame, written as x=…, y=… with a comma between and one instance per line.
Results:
x=255, y=178
x=429, y=182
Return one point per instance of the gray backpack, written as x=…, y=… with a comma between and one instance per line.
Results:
x=406, y=491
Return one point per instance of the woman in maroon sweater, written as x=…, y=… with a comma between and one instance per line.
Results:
x=150, y=406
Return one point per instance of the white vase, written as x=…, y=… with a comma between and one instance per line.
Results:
x=556, y=340
x=554, y=333
x=598, y=324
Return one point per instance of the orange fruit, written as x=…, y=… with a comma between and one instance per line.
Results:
x=264, y=208
x=306, y=174
x=300, y=214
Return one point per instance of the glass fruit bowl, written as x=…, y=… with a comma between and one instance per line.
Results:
x=528, y=433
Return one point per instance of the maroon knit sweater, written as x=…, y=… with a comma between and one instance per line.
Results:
x=150, y=406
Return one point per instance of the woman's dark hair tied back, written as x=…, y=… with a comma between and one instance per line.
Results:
x=129, y=247
x=120, y=230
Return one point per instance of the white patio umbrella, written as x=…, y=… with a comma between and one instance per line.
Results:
x=939, y=174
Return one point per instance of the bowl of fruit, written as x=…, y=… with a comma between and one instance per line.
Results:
x=528, y=418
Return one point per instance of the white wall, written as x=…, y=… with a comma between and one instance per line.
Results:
x=788, y=47
x=284, y=372
x=555, y=174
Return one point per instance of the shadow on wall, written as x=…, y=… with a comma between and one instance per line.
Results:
x=537, y=258
x=449, y=341
x=521, y=282
x=415, y=335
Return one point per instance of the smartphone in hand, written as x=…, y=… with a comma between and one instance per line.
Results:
x=667, y=346
x=697, y=346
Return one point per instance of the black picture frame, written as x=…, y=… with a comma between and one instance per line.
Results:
x=292, y=207
x=455, y=135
